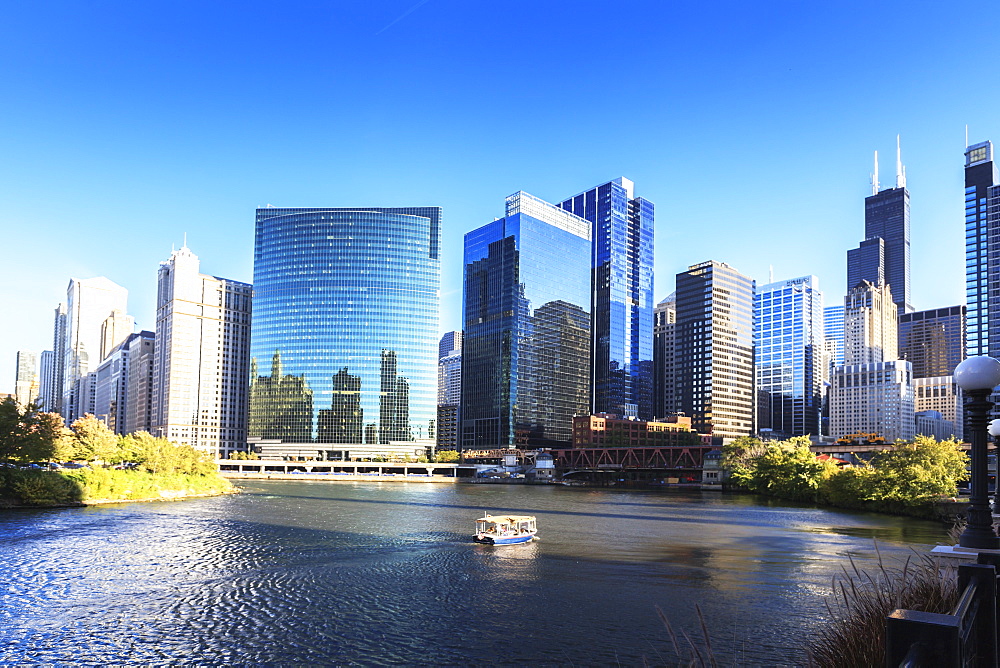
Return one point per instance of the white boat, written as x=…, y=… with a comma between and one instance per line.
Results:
x=505, y=529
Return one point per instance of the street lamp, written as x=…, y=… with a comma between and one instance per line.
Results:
x=977, y=376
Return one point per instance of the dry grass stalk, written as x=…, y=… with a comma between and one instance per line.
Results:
x=855, y=635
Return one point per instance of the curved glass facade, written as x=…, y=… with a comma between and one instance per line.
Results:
x=344, y=338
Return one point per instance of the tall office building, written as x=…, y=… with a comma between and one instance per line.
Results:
x=345, y=325
x=622, y=297
x=789, y=345
x=450, y=344
x=940, y=394
x=52, y=398
x=449, y=390
x=872, y=393
x=526, y=350
x=664, y=329
x=713, y=350
x=46, y=369
x=982, y=251
x=887, y=217
x=870, y=333
x=89, y=303
x=933, y=341
x=139, y=393
x=26, y=383
x=201, y=357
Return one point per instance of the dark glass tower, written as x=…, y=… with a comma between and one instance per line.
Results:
x=344, y=335
x=622, y=297
x=982, y=266
x=933, y=341
x=526, y=347
x=887, y=217
x=714, y=349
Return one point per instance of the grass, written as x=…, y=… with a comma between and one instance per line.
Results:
x=861, y=601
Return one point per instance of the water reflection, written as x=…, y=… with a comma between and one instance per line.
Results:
x=385, y=573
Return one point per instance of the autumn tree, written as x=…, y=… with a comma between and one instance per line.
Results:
x=27, y=434
x=92, y=440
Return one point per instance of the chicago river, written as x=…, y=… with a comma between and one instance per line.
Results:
x=385, y=573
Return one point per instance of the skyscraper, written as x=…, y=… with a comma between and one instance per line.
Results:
x=713, y=350
x=622, y=297
x=89, y=303
x=53, y=391
x=887, y=217
x=982, y=265
x=201, y=357
x=933, y=341
x=26, y=384
x=790, y=357
x=449, y=396
x=46, y=367
x=526, y=349
x=664, y=329
x=345, y=324
x=872, y=393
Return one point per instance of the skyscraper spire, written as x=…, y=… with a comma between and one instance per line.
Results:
x=874, y=176
x=900, y=170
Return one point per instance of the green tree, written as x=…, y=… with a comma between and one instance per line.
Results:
x=446, y=456
x=920, y=470
x=92, y=440
x=790, y=470
x=26, y=434
x=739, y=459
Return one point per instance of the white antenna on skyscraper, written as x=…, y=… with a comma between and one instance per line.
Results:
x=900, y=171
x=966, y=134
x=185, y=240
x=770, y=273
x=875, y=176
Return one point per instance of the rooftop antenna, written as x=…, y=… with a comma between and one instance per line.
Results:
x=966, y=135
x=770, y=273
x=185, y=240
x=900, y=170
x=875, y=176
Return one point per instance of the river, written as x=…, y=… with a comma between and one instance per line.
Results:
x=386, y=574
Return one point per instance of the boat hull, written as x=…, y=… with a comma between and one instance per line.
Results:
x=502, y=540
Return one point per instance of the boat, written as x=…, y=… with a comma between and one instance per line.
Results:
x=505, y=529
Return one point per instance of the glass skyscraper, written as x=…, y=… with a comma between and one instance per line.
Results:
x=887, y=218
x=345, y=324
x=526, y=348
x=933, y=341
x=790, y=357
x=982, y=265
x=622, y=297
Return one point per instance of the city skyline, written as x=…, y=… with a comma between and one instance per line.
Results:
x=111, y=134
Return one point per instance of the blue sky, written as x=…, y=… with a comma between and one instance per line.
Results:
x=751, y=126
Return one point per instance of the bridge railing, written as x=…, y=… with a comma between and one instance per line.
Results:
x=967, y=637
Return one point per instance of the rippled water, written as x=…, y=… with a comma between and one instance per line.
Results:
x=374, y=574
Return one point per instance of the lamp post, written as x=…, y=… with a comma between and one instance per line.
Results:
x=977, y=376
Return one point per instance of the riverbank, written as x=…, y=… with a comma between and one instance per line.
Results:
x=83, y=487
x=339, y=477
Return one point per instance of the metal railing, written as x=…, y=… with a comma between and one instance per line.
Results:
x=967, y=637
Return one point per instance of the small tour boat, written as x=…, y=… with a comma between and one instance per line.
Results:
x=505, y=529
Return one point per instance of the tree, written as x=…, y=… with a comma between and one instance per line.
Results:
x=790, y=470
x=92, y=440
x=921, y=470
x=446, y=456
x=739, y=457
x=26, y=434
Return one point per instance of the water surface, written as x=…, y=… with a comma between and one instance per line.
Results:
x=385, y=573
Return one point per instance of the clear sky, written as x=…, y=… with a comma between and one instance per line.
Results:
x=751, y=126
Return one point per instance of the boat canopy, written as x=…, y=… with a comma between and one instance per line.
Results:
x=512, y=519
